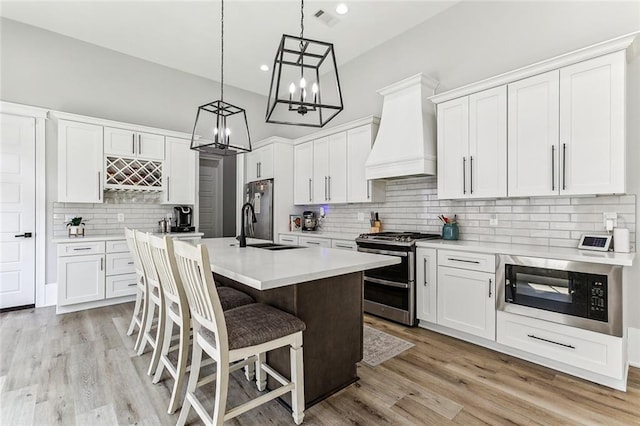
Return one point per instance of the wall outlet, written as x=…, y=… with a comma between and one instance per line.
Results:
x=360, y=217
x=120, y=217
x=609, y=220
x=493, y=220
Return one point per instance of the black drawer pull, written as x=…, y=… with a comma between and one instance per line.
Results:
x=131, y=285
x=82, y=248
x=550, y=341
x=463, y=260
x=130, y=263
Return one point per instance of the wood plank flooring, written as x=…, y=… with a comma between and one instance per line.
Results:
x=80, y=369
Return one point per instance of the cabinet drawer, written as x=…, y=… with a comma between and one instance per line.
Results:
x=344, y=245
x=314, y=242
x=599, y=353
x=120, y=263
x=119, y=246
x=74, y=249
x=121, y=285
x=466, y=260
x=288, y=239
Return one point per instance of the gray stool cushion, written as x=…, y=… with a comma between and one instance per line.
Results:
x=229, y=298
x=254, y=324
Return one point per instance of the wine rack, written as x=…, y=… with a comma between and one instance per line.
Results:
x=131, y=174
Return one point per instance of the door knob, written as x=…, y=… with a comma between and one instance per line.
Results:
x=25, y=235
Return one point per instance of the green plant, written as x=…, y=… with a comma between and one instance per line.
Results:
x=76, y=221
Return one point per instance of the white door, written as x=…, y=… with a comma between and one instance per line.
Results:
x=120, y=142
x=533, y=135
x=337, y=185
x=453, y=148
x=592, y=119
x=358, y=149
x=426, y=284
x=488, y=143
x=150, y=146
x=210, y=197
x=321, y=170
x=303, y=174
x=17, y=211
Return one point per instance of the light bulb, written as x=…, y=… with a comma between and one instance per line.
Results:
x=304, y=94
x=292, y=88
x=215, y=131
x=314, y=88
x=303, y=83
x=228, y=131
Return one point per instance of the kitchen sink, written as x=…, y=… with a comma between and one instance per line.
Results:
x=273, y=246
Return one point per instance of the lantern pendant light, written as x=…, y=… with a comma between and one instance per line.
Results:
x=301, y=63
x=220, y=127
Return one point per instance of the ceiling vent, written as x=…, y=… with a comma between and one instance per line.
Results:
x=326, y=18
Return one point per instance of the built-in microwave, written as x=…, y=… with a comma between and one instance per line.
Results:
x=579, y=294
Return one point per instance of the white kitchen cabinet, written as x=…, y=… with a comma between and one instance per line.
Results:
x=566, y=130
x=330, y=169
x=80, y=162
x=81, y=278
x=132, y=144
x=179, y=174
x=303, y=174
x=314, y=241
x=426, y=284
x=344, y=244
x=259, y=163
x=289, y=240
x=466, y=301
x=472, y=145
x=359, y=189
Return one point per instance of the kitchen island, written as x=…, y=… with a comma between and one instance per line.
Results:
x=321, y=286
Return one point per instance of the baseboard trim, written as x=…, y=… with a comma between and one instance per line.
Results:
x=17, y=308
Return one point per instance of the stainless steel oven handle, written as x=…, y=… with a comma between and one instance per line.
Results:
x=550, y=341
x=386, y=282
x=387, y=252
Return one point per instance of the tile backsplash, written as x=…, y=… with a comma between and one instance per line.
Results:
x=412, y=205
x=141, y=211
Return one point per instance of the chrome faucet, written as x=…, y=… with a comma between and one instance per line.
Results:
x=242, y=238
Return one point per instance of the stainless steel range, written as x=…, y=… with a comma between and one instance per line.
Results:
x=390, y=292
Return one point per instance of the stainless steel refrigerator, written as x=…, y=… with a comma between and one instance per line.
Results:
x=260, y=195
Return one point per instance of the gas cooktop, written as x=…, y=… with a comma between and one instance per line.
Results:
x=398, y=237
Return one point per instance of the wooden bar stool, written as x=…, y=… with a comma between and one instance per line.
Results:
x=233, y=339
x=176, y=311
x=139, y=310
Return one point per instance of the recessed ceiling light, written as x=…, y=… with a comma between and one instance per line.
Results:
x=264, y=67
x=342, y=9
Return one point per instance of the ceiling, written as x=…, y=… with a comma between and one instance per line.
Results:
x=185, y=35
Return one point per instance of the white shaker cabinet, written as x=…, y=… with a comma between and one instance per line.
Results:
x=303, y=174
x=359, y=189
x=180, y=170
x=259, y=164
x=330, y=169
x=472, y=145
x=132, y=144
x=426, y=284
x=81, y=272
x=80, y=162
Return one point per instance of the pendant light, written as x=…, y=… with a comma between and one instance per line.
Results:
x=220, y=127
x=305, y=89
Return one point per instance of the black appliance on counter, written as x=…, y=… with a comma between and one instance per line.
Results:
x=390, y=291
x=183, y=217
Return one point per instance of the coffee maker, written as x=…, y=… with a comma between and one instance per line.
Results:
x=182, y=216
x=309, y=221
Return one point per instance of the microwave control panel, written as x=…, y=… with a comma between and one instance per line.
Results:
x=598, y=298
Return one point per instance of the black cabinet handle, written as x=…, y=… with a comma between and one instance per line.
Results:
x=550, y=341
x=464, y=175
x=553, y=167
x=490, y=282
x=471, y=172
x=564, y=166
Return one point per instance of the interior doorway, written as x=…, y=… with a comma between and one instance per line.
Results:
x=211, y=196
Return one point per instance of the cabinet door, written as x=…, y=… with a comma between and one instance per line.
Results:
x=337, y=185
x=265, y=166
x=120, y=263
x=488, y=143
x=150, y=146
x=314, y=242
x=80, y=279
x=466, y=301
x=120, y=142
x=179, y=172
x=321, y=170
x=252, y=162
x=426, y=284
x=288, y=240
x=592, y=121
x=303, y=174
x=344, y=245
x=453, y=148
x=358, y=149
x=533, y=127
x=80, y=162
x=121, y=285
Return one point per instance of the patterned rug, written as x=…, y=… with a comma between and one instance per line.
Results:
x=380, y=346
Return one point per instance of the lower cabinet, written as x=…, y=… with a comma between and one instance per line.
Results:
x=314, y=242
x=466, y=301
x=304, y=240
x=81, y=278
x=344, y=245
x=288, y=240
x=426, y=284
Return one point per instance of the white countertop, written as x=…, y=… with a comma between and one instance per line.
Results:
x=573, y=254
x=264, y=269
x=321, y=234
x=115, y=237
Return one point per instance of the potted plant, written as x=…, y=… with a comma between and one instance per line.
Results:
x=75, y=227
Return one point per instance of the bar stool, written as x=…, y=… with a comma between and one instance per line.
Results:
x=233, y=339
x=176, y=312
x=139, y=310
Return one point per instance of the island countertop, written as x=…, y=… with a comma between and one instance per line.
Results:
x=264, y=269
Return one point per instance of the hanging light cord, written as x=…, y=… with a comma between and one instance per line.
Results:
x=301, y=20
x=222, y=53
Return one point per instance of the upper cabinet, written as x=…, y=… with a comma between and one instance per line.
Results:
x=132, y=144
x=359, y=189
x=330, y=169
x=259, y=163
x=179, y=176
x=80, y=162
x=303, y=174
x=472, y=145
x=564, y=122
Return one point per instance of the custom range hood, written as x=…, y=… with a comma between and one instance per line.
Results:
x=406, y=141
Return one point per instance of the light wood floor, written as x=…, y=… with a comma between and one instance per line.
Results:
x=79, y=369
